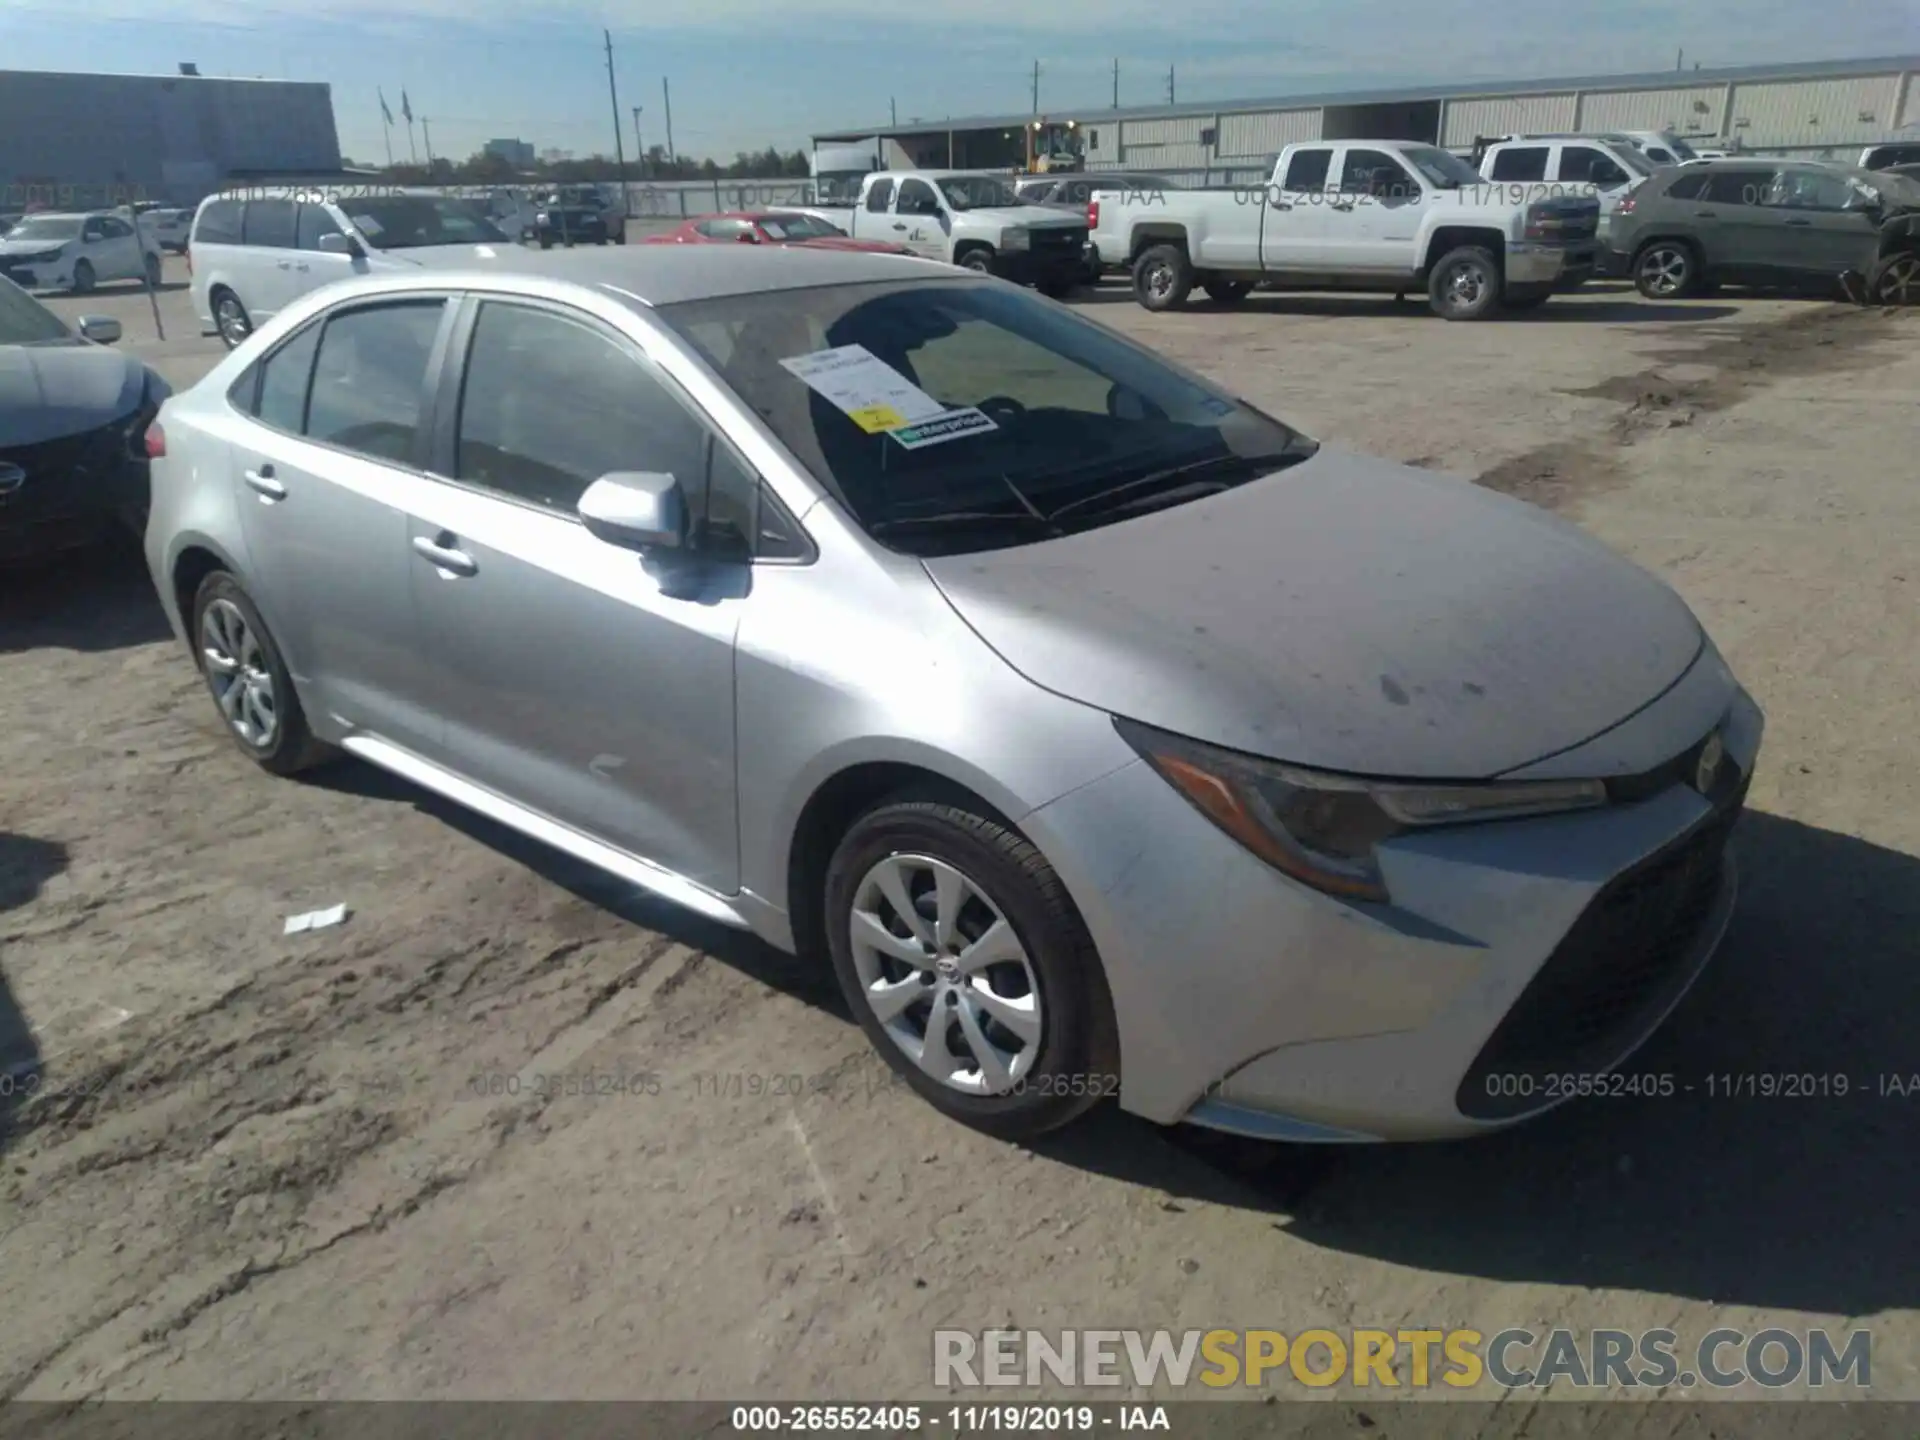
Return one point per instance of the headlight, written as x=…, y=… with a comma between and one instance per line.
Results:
x=1015, y=239
x=1323, y=829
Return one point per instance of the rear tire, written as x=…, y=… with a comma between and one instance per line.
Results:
x=1046, y=1024
x=1895, y=280
x=1465, y=285
x=230, y=318
x=1162, y=277
x=1667, y=270
x=249, y=681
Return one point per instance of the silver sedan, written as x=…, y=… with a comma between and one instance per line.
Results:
x=1107, y=736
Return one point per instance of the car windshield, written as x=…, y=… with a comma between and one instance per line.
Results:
x=1442, y=170
x=977, y=192
x=958, y=415
x=1900, y=188
x=46, y=227
x=1681, y=150
x=797, y=227
x=407, y=222
x=25, y=321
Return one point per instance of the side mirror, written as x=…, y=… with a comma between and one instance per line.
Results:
x=100, y=329
x=339, y=244
x=636, y=510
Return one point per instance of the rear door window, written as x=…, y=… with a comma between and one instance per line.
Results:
x=1584, y=165
x=315, y=221
x=1307, y=170
x=369, y=379
x=270, y=223
x=219, y=223
x=880, y=196
x=1738, y=187
x=1520, y=163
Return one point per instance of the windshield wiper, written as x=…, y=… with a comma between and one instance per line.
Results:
x=953, y=519
x=1180, y=478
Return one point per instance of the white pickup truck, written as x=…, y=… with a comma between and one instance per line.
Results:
x=971, y=220
x=1382, y=215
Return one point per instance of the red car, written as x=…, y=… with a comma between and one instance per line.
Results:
x=771, y=227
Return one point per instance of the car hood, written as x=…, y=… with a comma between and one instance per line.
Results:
x=847, y=242
x=1036, y=217
x=1347, y=614
x=64, y=388
x=10, y=246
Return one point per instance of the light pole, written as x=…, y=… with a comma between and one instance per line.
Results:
x=639, y=150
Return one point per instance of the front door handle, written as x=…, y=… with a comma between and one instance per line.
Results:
x=899, y=226
x=285, y=264
x=1706, y=214
x=1281, y=205
x=1341, y=205
x=1800, y=222
x=444, y=555
x=262, y=482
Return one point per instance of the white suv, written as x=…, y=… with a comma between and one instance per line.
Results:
x=76, y=252
x=252, y=254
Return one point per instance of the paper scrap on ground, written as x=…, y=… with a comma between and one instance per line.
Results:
x=870, y=392
x=316, y=919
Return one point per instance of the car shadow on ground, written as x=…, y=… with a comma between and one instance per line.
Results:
x=1624, y=308
x=26, y=864
x=96, y=599
x=1719, y=1192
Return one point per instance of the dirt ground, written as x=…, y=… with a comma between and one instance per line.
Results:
x=315, y=1165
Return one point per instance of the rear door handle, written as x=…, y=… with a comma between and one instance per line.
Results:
x=1800, y=222
x=899, y=227
x=1341, y=205
x=1706, y=214
x=262, y=482
x=444, y=555
x=285, y=264
x=1281, y=205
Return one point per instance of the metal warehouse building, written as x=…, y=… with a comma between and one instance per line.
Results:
x=110, y=139
x=1823, y=110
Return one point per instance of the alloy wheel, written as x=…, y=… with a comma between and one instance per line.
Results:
x=231, y=320
x=1159, y=280
x=1467, y=283
x=236, y=668
x=945, y=975
x=1664, y=270
x=1899, y=282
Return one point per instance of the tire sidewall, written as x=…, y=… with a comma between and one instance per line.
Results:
x=225, y=297
x=1154, y=258
x=1437, y=290
x=290, y=735
x=979, y=260
x=1689, y=277
x=1070, y=999
x=83, y=277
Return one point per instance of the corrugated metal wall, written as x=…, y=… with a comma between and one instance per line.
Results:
x=111, y=138
x=1685, y=110
x=1817, y=112
x=1167, y=157
x=1260, y=133
x=1183, y=131
x=1468, y=120
x=1101, y=144
x=1910, y=113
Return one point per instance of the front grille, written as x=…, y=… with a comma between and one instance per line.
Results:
x=1608, y=979
x=1059, y=239
x=92, y=472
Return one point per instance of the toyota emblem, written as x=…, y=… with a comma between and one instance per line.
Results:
x=12, y=477
x=1711, y=754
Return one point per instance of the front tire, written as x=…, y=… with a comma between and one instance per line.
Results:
x=83, y=277
x=249, y=681
x=1465, y=285
x=979, y=260
x=1162, y=277
x=961, y=955
x=1667, y=270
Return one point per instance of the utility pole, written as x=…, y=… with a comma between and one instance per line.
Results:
x=1170, y=84
x=893, y=113
x=666, y=100
x=1680, y=58
x=613, y=94
x=426, y=133
x=639, y=150
x=1036, y=87
x=1116, y=84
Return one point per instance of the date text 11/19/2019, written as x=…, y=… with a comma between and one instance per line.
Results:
x=954, y=1419
x=1718, y=1085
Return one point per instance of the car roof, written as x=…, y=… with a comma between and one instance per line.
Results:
x=651, y=275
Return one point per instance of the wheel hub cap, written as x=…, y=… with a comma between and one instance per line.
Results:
x=945, y=974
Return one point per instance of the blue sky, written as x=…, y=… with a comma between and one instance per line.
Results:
x=746, y=73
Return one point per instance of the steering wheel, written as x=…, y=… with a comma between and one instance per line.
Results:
x=1001, y=408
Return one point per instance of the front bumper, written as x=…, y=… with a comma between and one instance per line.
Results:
x=57, y=275
x=1514, y=956
x=1067, y=265
x=75, y=488
x=1533, y=264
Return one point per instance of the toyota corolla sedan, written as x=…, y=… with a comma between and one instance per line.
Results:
x=1106, y=735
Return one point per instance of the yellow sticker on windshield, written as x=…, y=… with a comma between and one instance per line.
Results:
x=877, y=419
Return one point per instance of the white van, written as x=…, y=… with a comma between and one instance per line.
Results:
x=253, y=252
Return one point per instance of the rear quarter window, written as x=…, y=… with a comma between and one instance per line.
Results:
x=219, y=223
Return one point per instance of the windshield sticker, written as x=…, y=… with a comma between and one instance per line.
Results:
x=366, y=225
x=870, y=392
x=938, y=429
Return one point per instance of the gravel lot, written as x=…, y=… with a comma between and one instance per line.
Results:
x=276, y=1166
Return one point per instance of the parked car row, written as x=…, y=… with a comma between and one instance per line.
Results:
x=56, y=251
x=1102, y=818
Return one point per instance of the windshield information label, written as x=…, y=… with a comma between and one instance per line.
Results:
x=870, y=392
